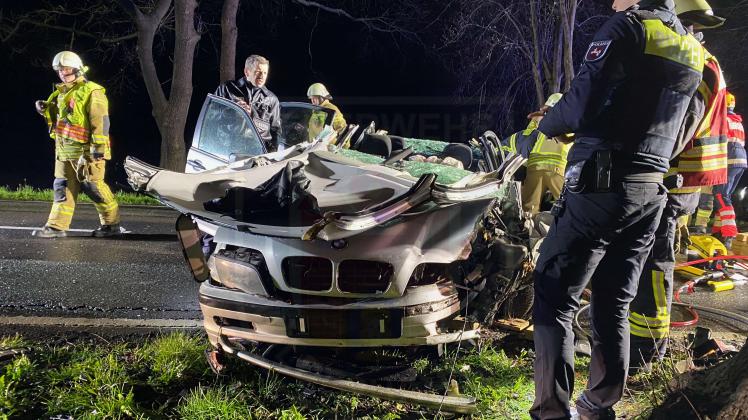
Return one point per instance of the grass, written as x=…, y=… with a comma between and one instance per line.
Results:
x=167, y=377
x=94, y=384
x=27, y=193
x=174, y=358
x=214, y=403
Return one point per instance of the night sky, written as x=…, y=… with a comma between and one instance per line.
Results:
x=402, y=85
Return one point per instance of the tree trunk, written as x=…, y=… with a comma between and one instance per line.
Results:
x=536, y=75
x=568, y=19
x=554, y=84
x=171, y=114
x=180, y=95
x=720, y=392
x=228, y=40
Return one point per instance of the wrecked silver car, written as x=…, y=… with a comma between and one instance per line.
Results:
x=319, y=245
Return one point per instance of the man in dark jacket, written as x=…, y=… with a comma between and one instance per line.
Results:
x=626, y=107
x=262, y=104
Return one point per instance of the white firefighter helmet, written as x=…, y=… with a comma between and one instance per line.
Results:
x=318, y=89
x=67, y=59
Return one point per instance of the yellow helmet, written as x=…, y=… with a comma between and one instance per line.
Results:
x=730, y=100
x=318, y=89
x=698, y=13
x=553, y=99
x=67, y=59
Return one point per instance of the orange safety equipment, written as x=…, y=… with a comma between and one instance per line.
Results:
x=703, y=162
x=724, y=223
x=736, y=156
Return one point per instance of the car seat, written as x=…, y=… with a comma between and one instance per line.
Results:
x=461, y=152
x=376, y=144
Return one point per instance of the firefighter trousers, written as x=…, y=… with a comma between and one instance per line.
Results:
x=70, y=179
x=650, y=310
x=705, y=209
x=602, y=239
x=536, y=183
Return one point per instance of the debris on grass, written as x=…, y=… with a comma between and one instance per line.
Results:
x=168, y=377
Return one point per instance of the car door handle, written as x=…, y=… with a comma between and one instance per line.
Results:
x=196, y=164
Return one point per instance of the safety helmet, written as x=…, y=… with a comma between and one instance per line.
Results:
x=318, y=89
x=698, y=13
x=553, y=99
x=730, y=100
x=67, y=59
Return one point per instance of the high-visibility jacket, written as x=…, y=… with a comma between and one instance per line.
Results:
x=736, y=155
x=520, y=142
x=548, y=154
x=703, y=162
x=317, y=120
x=78, y=120
x=338, y=121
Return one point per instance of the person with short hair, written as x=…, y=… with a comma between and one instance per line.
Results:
x=251, y=93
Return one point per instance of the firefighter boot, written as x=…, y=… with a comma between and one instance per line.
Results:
x=50, y=232
x=104, y=231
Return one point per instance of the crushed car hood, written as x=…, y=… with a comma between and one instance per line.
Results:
x=351, y=196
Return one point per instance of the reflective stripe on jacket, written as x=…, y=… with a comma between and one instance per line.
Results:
x=78, y=120
x=736, y=154
x=703, y=162
x=548, y=154
x=521, y=142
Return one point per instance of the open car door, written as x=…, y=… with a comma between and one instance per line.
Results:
x=224, y=132
x=301, y=121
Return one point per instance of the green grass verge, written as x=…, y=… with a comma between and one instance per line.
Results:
x=27, y=193
x=167, y=377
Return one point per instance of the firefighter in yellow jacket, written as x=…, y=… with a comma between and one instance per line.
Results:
x=545, y=164
x=320, y=96
x=78, y=120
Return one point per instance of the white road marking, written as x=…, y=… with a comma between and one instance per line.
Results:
x=122, y=230
x=100, y=322
x=39, y=228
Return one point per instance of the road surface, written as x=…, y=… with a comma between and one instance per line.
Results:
x=138, y=278
x=140, y=275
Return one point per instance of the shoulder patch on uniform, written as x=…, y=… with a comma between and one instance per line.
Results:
x=597, y=50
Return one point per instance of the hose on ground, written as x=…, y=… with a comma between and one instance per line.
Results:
x=733, y=316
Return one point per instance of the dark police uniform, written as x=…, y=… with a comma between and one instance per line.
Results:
x=265, y=107
x=626, y=106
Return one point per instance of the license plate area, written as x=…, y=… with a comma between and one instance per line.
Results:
x=348, y=324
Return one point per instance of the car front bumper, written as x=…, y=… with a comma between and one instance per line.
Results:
x=420, y=317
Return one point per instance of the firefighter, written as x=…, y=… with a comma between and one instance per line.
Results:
x=251, y=93
x=545, y=164
x=522, y=142
x=724, y=224
x=320, y=96
x=702, y=163
x=78, y=120
x=626, y=107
